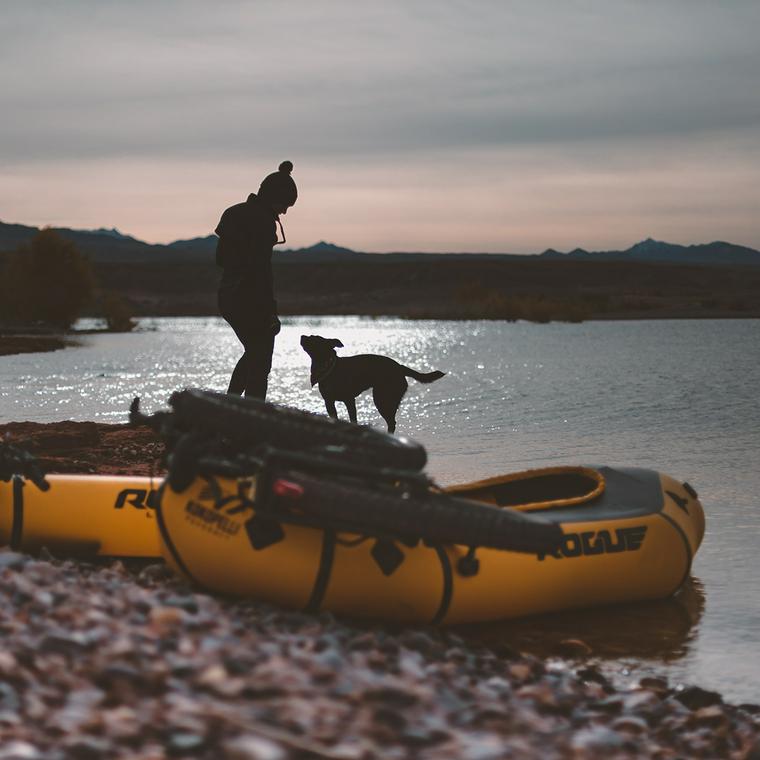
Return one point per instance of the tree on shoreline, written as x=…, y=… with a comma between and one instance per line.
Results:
x=117, y=314
x=48, y=281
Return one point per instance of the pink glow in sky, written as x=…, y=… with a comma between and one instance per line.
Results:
x=421, y=126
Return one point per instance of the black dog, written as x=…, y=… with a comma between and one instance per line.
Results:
x=344, y=378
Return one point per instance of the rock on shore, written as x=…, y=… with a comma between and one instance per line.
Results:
x=126, y=661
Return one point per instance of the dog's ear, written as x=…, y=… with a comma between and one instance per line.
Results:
x=335, y=343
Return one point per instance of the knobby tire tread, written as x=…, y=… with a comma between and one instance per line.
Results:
x=254, y=422
x=437, y=518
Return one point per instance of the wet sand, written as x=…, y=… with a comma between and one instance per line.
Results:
x=119, y=660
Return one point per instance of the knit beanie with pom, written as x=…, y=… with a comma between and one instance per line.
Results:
x=279, y=186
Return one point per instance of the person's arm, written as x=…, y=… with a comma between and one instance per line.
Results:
x=261, y=259
x=221, y=242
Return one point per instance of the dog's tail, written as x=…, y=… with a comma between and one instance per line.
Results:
x=423, y=377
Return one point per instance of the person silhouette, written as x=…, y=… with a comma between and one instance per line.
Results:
x=247, y=234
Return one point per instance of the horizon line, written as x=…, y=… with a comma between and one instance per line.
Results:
x=105, y=231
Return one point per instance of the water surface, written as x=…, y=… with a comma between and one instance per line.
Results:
x=677, y=396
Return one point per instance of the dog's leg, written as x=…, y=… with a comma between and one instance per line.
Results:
x=351, y=409
x=387, y=399
x=331, y=410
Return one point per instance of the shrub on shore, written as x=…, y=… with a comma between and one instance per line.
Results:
x=117, y=313
x=476, y=301
x=47, y=281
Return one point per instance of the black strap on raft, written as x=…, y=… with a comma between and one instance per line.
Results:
x=167, y=539
x=686, y=546
x=17, y=465
x=16, y=461
x=448, y=586
x=18, y=513
x=323, y=573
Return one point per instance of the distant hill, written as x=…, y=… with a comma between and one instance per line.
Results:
x=113, y=232
x=206, y=244
x=100, y=246
x=650, y=250
x=111, y=246
x=323, y=251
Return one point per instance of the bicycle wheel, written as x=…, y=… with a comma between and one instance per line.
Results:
x=251, y=422
x=437, y=518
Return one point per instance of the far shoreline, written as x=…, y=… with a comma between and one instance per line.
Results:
x=11, y=345
x=17, y=341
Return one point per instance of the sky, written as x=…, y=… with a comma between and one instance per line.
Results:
x=415, y=125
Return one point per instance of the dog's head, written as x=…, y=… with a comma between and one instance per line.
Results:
x=319, y=348
x=322, y=353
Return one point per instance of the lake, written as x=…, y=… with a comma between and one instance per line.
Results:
x=680, y=396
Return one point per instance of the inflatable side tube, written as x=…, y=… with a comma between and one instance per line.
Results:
x=82, y=516
x=634, y=543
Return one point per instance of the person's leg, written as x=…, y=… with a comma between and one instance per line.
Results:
x=239, y=377
x=258, y=355
x=233, y=309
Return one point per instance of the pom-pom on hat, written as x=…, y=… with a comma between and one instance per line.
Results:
x=279, y=186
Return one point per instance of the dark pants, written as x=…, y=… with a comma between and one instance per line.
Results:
x=255, y=332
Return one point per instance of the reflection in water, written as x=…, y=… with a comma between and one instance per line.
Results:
x=661, y=631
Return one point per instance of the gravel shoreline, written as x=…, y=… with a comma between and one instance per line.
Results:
x=116, y=660
x=106, y=661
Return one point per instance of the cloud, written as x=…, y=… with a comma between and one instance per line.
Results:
x=363, y=87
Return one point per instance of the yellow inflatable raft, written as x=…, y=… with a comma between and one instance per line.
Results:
x=627, y=534
x=81, y=516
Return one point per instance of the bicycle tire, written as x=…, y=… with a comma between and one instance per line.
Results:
x=252, y=422
x=437, y=518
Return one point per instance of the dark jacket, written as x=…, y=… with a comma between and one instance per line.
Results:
x=247, y=232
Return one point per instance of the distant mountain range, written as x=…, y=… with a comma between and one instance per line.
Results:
x=650, y=250
x=111, y=246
